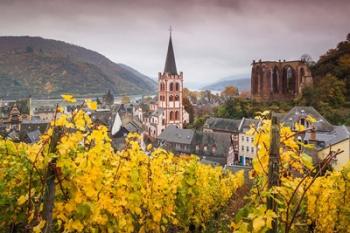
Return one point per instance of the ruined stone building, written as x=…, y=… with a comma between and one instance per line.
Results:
x=279, y=80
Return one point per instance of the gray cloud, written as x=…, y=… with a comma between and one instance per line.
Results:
x=212, y=39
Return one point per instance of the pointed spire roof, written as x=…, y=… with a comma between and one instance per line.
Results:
x=170, y=64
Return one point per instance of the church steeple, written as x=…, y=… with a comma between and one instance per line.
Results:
x=170, y=64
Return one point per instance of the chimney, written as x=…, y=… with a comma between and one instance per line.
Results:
x=313, y=134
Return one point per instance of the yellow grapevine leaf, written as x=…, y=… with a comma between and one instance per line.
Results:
x=91, y=104
x=149, y=147
x=258, y=224
x=69, y=98
x=21, y=200
x=39, y=227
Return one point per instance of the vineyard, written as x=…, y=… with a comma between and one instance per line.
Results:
x=73, y=181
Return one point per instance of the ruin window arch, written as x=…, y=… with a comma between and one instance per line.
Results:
x=289, y=80
x=275, y=77
x=171, y=115
x=171, y=87
x=171, y=98
x=177, y=86
x=255, y=79
x=302, y=74
x=261, y=80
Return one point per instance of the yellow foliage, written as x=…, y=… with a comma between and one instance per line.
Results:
x=106, y=191
x=69, y=98
x=91, y=104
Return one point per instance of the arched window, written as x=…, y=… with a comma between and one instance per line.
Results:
x=255, y=79
x=289, y=80
x=171, y=88
x=171, y=98
x=177, y=115
x=177, y=98
x=171, y=115
x=261, y=80
x=275, y=77
x=177, y=86
x=301, y=76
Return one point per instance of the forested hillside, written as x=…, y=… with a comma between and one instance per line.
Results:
x=47, y=68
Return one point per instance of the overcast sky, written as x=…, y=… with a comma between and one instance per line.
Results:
x=212, y=38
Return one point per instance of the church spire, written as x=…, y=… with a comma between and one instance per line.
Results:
x=170, y=64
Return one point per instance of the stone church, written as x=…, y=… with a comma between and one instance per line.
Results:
x=169, y=109
x=279, y=80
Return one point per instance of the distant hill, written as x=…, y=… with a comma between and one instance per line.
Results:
x=243, y=84
x=46, y=68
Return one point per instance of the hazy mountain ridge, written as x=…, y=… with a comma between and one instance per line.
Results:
x=242, y=83
x=47, y=68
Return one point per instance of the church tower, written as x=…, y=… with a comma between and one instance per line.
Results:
x=170, y=87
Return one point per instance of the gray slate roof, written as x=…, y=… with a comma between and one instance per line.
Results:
x=34, y=136
x=325, y=139
x=222, y=124
x=247, y=123
x=175, y=135
x=295, y=113
x=158, y=112
x=221, y=141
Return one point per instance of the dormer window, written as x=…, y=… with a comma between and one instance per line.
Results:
x=304, y=122
x=213, y=149
x=205, y=148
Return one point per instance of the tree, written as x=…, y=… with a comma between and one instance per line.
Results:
x=188, y=107
x=229, y=91
x=307, y=59
x=329, y=90
x=29, y=49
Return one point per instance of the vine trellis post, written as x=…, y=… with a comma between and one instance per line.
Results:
x=49, y=195
x=273, y=175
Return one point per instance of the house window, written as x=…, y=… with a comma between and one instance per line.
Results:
x=205, y=148
x=242, y=148
x=247, y=139
x=252, y=149
x=171, y=98
x=177, y=98
x=251, y=139
x=171, y=86
x=197, y=147
x=171, y=115
x=242, y=138
x=247, y=148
